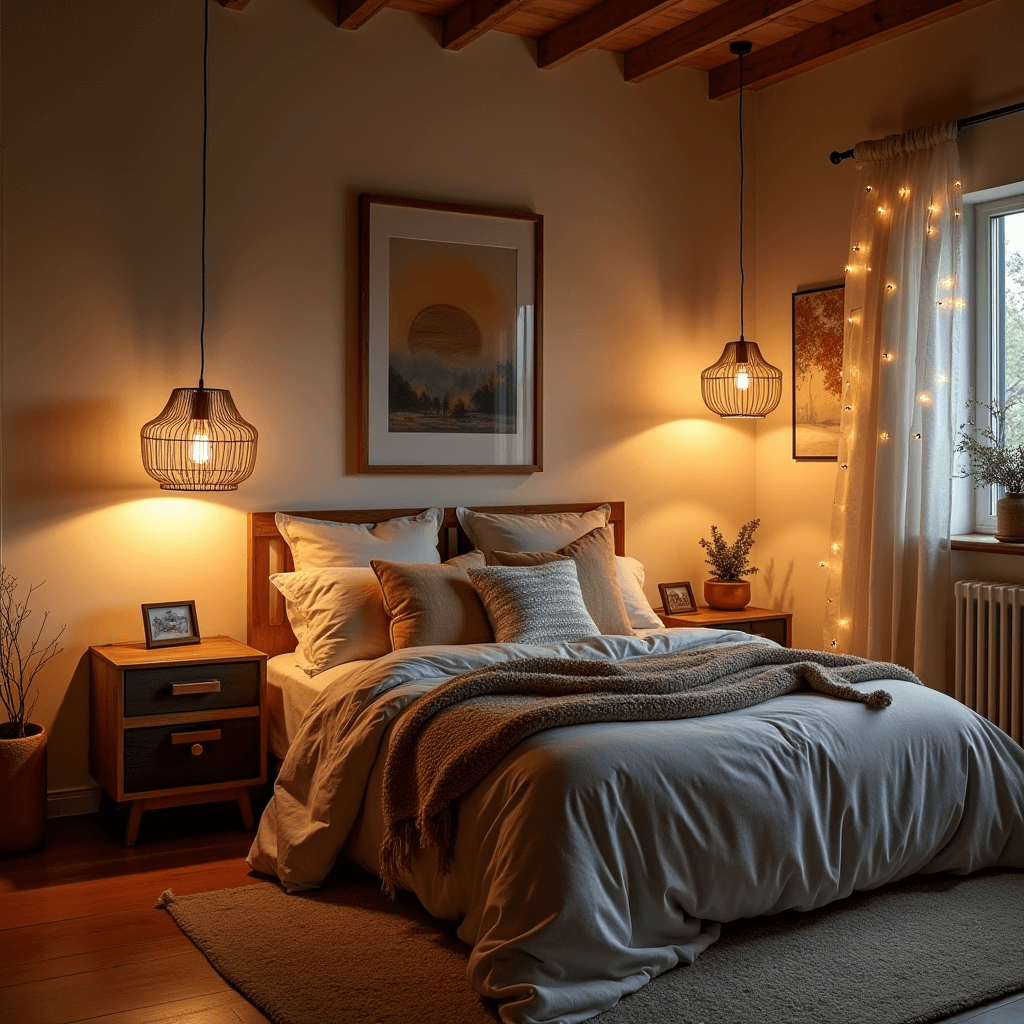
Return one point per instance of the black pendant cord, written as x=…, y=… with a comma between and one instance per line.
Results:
x=206, y=92
x=742, y=276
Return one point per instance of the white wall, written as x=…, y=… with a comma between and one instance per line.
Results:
x=101, y=128
x=964, y=65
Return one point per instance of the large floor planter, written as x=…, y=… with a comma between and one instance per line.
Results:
x=727, y=597
x=22, y=789
x=1010, y=518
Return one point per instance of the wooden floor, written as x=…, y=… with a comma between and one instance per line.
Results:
x=81, y=938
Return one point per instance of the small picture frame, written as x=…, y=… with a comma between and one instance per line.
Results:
x=677, y=598
x=170, y=624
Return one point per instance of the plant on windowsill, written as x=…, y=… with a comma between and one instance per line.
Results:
x=22, y=742
x=994, y=462
x=727, y=590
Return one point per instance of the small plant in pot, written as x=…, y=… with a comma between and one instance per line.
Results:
x=22, y=742
x=727, y=590
x=993, y=461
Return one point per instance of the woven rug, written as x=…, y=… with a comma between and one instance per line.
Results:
x=913, y=952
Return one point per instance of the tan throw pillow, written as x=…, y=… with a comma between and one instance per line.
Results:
x=532, y=531
x=594, y=555
x=433, y=604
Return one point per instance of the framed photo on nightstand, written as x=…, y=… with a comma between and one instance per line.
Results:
x=677, y=598
x=170, y=624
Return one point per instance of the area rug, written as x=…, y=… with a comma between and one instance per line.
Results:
x=912, y=952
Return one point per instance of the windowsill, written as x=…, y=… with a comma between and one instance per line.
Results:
x=986, y=543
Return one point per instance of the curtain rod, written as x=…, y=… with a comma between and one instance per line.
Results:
x=837, y=158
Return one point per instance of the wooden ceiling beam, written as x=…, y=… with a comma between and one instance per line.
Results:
x=472, y=18
x=856, y=30
x=700, y=33
x=353, y=13
x=593, y=27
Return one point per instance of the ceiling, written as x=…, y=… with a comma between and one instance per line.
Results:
x=789, y=36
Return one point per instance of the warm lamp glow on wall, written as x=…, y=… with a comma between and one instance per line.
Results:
x=200, y=441
x=742, y=384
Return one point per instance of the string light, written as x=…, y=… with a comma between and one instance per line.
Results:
x=822, y=565
x=886, y=356
x=884, y=435
x=956, y=184
x=867, y=188
x=959, y=304
x=856, y=248
x=881, y=209
x=924, y=398
x=835, y=546
x=917, y=437
x=847, y=269
x=833, y=644
x=843, y=466
x=890, y=287
x=941, y=378
x=904, y=192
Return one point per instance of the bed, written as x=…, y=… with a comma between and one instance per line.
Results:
x=593, y=857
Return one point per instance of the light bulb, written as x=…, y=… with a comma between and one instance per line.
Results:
x=742, y=378
x=200, y=449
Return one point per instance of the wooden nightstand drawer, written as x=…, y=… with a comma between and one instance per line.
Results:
x=773, y=629
x=162, y=757
x=173, y=688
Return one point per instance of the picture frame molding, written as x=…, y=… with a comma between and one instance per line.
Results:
x=665, y=590
x=366, y=202
x=796, y=295
x=194, y=638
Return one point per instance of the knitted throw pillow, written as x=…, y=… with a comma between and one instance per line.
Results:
x=534, y=604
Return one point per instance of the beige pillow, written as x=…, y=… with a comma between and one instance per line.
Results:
x=594, y=555
x=534, y=531
x=433, y=604
x=319, y=543
x=337, y=615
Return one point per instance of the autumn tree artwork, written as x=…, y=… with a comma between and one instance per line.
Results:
x=452, y=338
x=818, y=322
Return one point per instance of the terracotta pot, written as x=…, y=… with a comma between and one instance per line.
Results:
x=727, y=597
x=1010, y=518
x=22, y=789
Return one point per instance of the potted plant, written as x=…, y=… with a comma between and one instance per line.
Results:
x=993, y=461
x=22, y=742
x=727, y=590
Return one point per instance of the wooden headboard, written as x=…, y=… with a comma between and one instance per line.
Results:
x=267, y=626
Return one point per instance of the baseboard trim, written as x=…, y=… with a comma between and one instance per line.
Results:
x=73, y=801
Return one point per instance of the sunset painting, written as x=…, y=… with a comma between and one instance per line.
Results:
x=451, y=338
x=817, y=372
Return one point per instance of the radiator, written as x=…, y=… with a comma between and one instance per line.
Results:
x=990, y=652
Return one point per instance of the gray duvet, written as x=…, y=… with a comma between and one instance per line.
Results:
x=594, y=857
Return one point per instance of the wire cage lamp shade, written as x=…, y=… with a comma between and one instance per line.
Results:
x=742, y=384
x=199, y=442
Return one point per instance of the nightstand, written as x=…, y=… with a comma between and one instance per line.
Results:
x=178, y=725
x=777, y=626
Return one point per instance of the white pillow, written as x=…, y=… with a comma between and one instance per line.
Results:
x=318, y=543
x=534, y=531
x=632, y=575
x=337, y=615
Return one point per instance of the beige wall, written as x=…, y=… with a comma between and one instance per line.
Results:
x=101, y=123
x=965, y=65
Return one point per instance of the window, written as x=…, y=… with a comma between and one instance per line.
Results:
x=998, y=255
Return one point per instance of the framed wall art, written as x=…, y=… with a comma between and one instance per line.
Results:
x=450, y=318
x=817, y=372
x=170, y=624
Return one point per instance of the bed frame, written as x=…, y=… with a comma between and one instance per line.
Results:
x=267, y=627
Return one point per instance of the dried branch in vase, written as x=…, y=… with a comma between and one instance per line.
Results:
x=729, y=561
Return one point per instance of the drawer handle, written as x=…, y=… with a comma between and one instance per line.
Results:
x=197, y=736
x=188, y=689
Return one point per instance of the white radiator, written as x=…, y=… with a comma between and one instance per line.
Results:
x=990, y=652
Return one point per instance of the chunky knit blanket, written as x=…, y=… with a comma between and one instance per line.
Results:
x=452, y=737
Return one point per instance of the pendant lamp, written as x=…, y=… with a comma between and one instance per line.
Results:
x=200, y=441
x=742, y=384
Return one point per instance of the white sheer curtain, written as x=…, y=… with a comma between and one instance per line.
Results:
x=888, y=568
